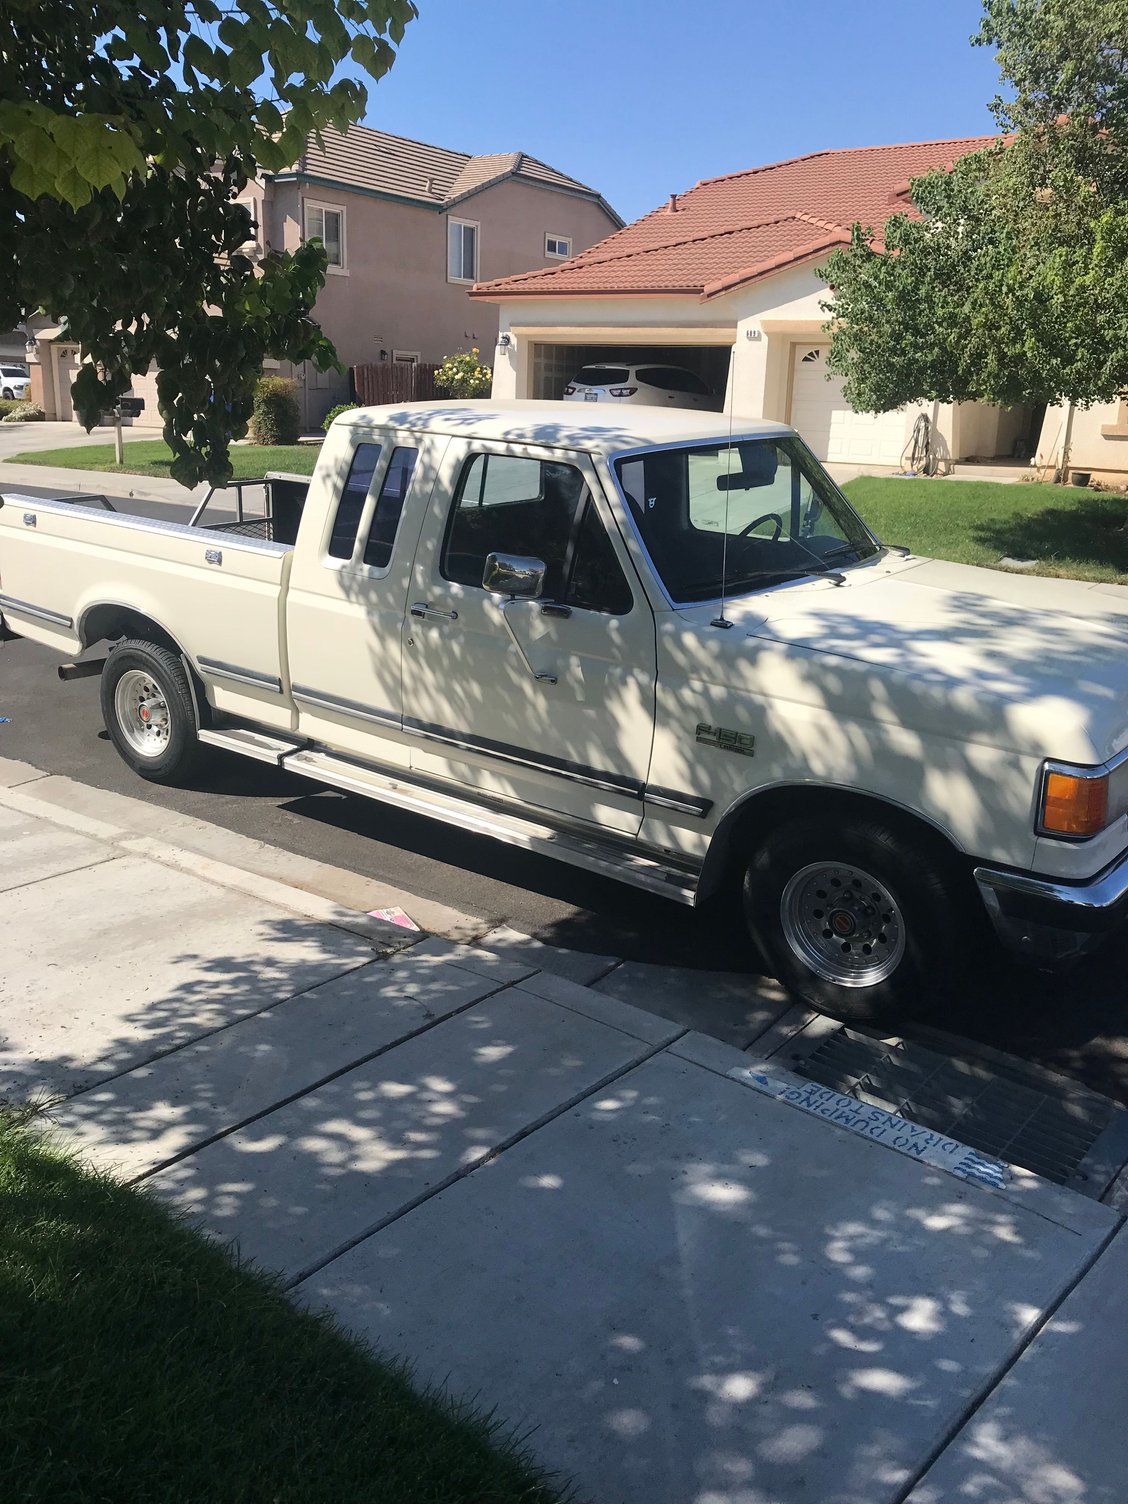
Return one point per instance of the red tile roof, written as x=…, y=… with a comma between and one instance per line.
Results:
x=731, y=230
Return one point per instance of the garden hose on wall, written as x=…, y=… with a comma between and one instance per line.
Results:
x=917, y=457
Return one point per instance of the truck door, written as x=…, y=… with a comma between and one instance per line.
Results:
x=348, y=588
x=549, y=702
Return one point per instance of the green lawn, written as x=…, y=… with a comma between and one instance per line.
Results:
x=138, y=1362
x=1069, y=531
x=153, y=457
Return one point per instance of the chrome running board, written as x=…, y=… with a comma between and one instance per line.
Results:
x=590, y=853
x=256, y=744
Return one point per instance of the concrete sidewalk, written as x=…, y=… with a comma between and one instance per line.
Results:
x=552, y=1201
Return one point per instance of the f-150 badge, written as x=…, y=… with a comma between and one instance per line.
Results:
x=725, y=739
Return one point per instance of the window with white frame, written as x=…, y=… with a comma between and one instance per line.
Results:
x=325, y=223
x=558, y=245
x=462, y=250
x=254, y=230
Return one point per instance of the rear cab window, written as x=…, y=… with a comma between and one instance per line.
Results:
x=350, y=506
x=350, y=540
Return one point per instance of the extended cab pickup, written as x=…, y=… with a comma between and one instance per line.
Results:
x=657, y=645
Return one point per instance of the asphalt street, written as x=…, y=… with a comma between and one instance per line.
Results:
x=1075, y=1023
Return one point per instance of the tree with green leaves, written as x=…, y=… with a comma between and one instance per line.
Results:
x=125, y=141
x=1012, y=284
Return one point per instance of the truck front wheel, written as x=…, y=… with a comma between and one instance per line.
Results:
x=853, y=918
x=147, y=707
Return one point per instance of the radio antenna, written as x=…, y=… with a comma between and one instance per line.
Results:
x=721, y=620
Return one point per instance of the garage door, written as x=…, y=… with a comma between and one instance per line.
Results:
x=146, y=388
x=831, y=426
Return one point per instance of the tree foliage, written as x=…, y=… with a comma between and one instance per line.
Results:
x=1012, y=284
x=125, y=140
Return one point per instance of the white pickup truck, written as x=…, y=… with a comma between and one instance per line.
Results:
x=657, y=645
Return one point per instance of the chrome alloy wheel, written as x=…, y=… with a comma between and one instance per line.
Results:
x=843, y=924
x=142, y=712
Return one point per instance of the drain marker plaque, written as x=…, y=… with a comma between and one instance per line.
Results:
x=875, y=1123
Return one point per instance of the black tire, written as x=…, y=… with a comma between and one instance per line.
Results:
x=936, y=930
x=181, y=750
x=8, y=396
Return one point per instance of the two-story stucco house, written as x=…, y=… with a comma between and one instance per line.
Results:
x=409, y=228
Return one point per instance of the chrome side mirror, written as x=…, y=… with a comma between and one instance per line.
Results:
x=514, y=575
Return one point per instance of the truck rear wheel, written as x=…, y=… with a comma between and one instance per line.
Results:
x=147, y=708
x=854, y=919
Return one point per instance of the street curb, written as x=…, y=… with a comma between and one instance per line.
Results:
x=385, y=937
x=72, y=799
x=97, y=483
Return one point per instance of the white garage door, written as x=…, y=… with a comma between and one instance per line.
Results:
x=831, y=426
x=146, y=387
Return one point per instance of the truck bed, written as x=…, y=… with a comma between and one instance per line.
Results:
x=64, y=568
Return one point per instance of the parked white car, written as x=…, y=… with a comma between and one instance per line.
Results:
x=637, y=644
x=649, y=384
x=15, y=383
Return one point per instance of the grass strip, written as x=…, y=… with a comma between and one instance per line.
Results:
x=1066, y=530
x=140, y=1362
x=153, y=457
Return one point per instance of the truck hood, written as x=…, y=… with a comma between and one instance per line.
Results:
x=1047, y=657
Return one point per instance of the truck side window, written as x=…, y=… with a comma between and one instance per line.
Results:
x=389, y=505
x=511, y=505
x=353, y=496
x=596, y=579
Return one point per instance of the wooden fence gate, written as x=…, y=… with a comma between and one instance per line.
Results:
x=393, y=381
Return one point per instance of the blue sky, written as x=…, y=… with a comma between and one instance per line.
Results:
x=641, y=98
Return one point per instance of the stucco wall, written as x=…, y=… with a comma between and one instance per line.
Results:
x=1092, y=447
x=394, y=293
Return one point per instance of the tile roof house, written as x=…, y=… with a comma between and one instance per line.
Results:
x=723, y=279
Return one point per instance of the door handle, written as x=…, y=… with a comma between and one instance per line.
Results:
x=551, y=608
x=432, y=613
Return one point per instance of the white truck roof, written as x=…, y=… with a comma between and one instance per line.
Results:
x=570, y=425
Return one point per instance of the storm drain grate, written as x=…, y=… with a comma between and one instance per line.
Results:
x=1003, y=1108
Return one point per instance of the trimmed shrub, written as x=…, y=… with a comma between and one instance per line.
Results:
x=463, y=375
x=23, y=412
x=276, y=417
x=335, y=412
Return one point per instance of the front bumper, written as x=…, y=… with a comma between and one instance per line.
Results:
x=1049, y=919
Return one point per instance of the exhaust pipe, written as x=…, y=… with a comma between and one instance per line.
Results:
x=88, y=670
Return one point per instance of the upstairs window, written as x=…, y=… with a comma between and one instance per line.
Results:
x=324, y=223
x=558, y=245
x=462, y=250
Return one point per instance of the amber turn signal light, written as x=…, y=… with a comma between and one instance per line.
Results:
x=1074, y=806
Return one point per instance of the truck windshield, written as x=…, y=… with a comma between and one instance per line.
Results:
x=756, y=511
